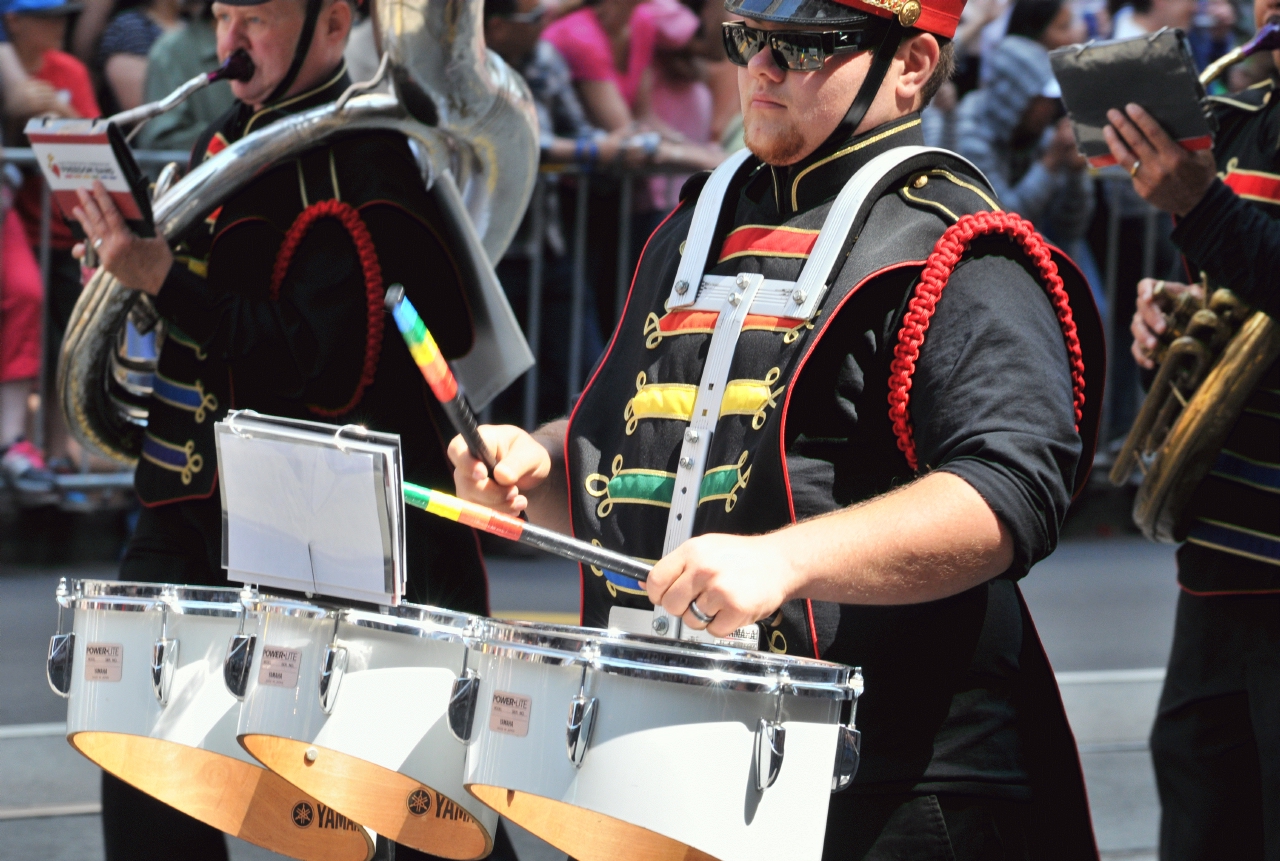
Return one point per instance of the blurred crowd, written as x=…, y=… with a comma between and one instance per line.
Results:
x=621, y=86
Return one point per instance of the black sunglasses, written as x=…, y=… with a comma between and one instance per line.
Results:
x=795, y=50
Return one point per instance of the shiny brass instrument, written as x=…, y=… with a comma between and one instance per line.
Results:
x=1211, y=356
x=474, y=127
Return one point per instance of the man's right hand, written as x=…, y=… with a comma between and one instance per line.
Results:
x=1149, y=321
x=522, y=464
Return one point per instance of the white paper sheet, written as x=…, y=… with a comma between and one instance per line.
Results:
x=306, y=515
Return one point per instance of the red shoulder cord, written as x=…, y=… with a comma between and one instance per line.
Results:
x=937, y=269
x=355, y=226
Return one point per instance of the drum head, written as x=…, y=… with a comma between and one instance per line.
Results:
x=393, y=805
x=584, y=834
x=234, y=796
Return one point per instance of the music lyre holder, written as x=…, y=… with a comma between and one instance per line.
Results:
x=312, y=508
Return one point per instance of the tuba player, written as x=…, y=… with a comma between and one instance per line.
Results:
x=274, y=303
x=1216, y=740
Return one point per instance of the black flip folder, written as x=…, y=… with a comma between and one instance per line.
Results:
x=1157, y=72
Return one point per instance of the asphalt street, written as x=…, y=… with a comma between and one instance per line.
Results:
x=1104, y=609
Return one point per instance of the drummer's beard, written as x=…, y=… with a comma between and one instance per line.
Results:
x=773, y=143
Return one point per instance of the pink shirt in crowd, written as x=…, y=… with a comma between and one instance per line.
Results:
x=585, y=45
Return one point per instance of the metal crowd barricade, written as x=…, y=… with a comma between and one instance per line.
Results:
x=1115, y=182
x=579, y=284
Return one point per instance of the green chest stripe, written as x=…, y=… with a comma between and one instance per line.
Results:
x=655, y=487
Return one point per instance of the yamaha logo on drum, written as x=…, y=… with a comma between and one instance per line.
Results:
x=303, y=814
x=419, y=802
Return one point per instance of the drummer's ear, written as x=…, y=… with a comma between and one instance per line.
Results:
x=928, y=62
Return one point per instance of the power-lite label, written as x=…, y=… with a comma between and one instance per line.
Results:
x=103, y=662
x=510, y=713
x=279, y=667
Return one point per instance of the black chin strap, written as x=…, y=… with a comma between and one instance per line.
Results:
x=300, y=52
x=871, y=86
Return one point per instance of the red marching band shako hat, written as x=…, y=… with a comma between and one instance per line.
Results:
x=939, y=17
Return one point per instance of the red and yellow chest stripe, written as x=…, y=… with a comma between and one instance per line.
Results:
x=704, y=322
x=759, y=240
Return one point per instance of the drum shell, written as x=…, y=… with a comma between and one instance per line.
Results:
x=390, y=708
x=676, y=759
x=288, y=712
x=200, y=711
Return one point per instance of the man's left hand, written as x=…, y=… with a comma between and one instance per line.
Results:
x=737, y=579
x=1167, y=176
x=139, y=264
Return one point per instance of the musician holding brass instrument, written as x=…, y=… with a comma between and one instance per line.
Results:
x=273, y=301
x=1212, y=468
x=836, y=449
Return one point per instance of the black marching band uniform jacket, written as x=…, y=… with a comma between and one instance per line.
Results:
x=959, y=696
x=275, y=303
x=1233, y=237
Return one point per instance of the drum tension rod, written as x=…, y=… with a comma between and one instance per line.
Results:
x=164, y=656
x=464, y=696
x=62, y=649
x=582, y=711
x=239, y=660
x=332, y=669
x=771, y=739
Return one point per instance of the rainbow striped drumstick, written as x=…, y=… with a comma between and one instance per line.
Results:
x=515, y=529
x=426, y=355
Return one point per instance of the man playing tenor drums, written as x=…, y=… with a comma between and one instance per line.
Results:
x=1216, y=740
x=869, y=460
x=274, y=303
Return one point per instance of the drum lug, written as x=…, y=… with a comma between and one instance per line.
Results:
x=331, y=673
x=771, y=739
x=462, y=704
x=848, y=755
x=849, y=743
x=235, y=670
x=164, y=657
x=582, y=720
x=62, y=650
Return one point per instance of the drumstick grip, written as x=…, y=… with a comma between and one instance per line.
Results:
x=514, y=529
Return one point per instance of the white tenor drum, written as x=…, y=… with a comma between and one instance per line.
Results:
x=147, y=669
x=358, y=708
x=613, y=746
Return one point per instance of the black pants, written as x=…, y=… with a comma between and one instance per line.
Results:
x=1216, y=741
x=926, y=828
x=182, y=543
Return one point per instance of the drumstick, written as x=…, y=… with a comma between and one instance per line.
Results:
x=514, y=529
x=426, y=355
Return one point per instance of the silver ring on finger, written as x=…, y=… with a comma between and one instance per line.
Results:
x=97, y=243
x=699, y=615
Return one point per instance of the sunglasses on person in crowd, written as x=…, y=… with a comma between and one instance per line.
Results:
x=796, y=50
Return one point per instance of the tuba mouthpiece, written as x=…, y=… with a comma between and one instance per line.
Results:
x=238, y=67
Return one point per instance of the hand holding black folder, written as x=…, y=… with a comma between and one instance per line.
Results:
x=1156, y=72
